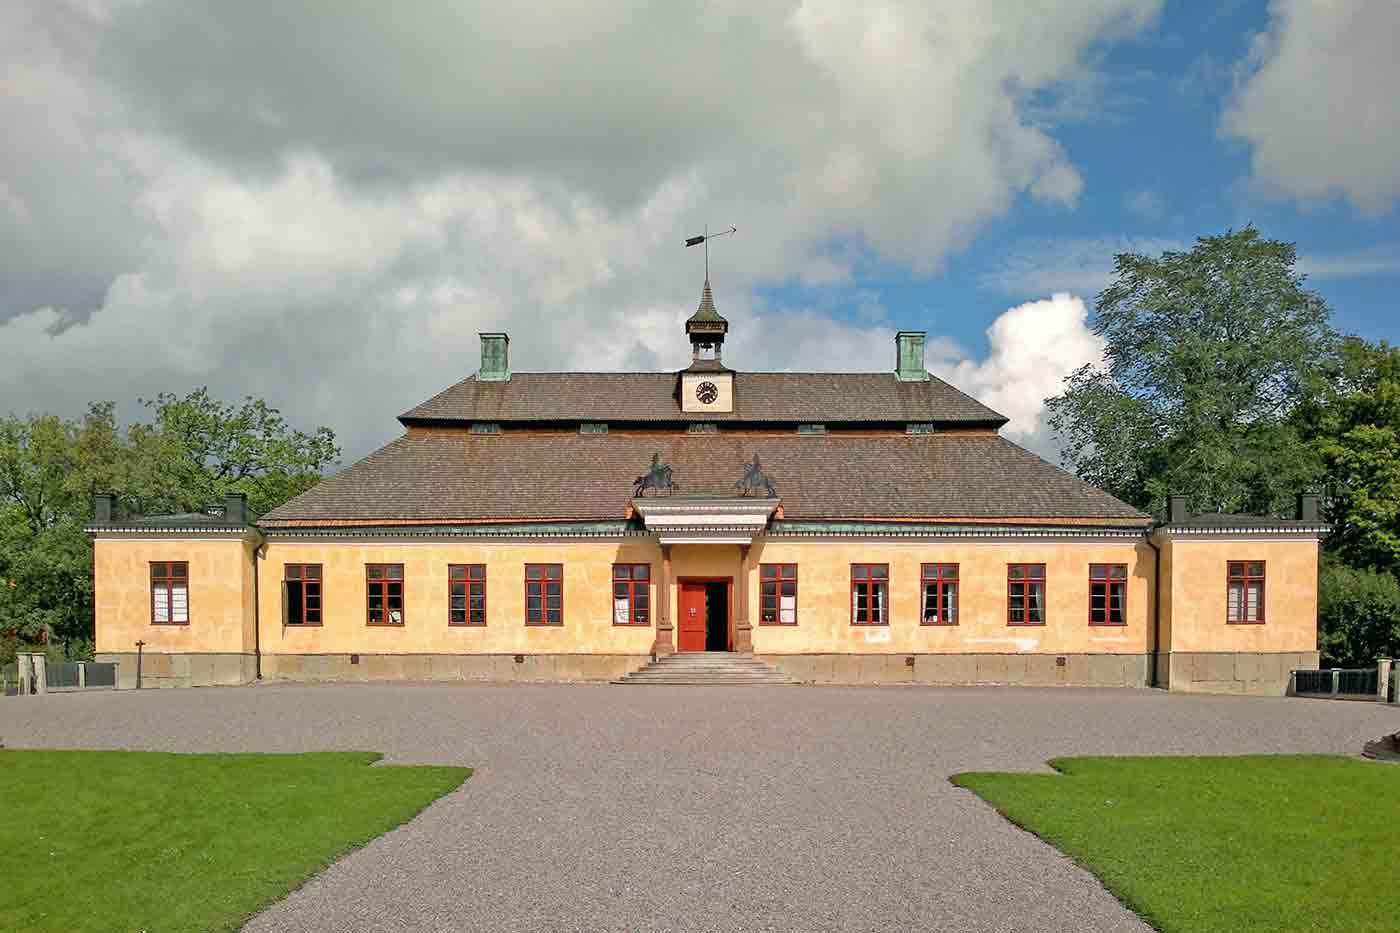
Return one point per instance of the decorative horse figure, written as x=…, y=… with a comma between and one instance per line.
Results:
x=755, y=480
x=657, y=478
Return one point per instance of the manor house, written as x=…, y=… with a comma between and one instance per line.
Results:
x=827, y=527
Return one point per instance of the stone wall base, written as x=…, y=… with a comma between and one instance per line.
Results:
x=449, y=667
x=182, y=670
x=1080, y=670
x=1248, y=672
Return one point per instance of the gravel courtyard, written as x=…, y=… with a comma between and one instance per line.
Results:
x=699, y=808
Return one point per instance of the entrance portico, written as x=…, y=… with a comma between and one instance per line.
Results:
x=717, y=528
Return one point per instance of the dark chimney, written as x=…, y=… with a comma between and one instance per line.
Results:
x=1307, y=507
x=102, y=508
x=236, y=508
x=1176, y=510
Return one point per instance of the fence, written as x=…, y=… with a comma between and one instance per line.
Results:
x=61, y=676
x=1341, y=683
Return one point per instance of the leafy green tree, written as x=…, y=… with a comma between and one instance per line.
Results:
x=1358, y=615
x=1356, y=431
x=1209, y=354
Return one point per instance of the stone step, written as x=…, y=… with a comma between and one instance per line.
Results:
x=711, y=667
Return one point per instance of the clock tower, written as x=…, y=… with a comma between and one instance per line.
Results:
x=707, y=387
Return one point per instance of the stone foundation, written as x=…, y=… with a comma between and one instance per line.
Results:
x=1253, y=673
x=1081, y=670
x=449, y=667
x=182, y=670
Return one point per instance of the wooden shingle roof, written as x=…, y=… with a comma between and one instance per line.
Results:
x=446, y=476
x=829, y=398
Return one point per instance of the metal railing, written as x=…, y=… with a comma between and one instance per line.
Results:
x=1339, y=683
x=62, y=676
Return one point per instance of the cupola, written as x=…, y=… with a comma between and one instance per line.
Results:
x=706, y=386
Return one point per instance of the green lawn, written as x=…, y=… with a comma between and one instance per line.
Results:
x=1258, y=843
x=149, y=841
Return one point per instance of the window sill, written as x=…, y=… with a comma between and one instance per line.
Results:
x=1245, y=622
x=1025, y=625
x=870, y=625
x=544, y=624
x=170, y=624
x=301, y=624
x=383, y=625
x=1108, y=625
x=763, y=624
x=466, y=625
x=938, y=624
x=629, y=625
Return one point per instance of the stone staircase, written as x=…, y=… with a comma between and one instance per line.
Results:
x=707, y=667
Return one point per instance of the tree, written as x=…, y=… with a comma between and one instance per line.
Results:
x=1209, y=354
x=194, y=451
x=1358, y=615
x=1356, y=431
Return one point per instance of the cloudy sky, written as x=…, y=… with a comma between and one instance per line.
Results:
x=323, y=209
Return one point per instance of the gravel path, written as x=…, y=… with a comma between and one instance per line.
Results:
x=699, y=808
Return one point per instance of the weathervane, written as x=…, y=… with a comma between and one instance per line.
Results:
x=706, y=238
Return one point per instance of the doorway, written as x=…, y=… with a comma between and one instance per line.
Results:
x=703, y=606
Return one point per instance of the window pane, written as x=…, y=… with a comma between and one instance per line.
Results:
x=1037, y=571
x=859, y=571
x=376, y=598
x=394, y=589
x=373, y=571
x=456, y=572
x=641, y=597
x=534, y=602
x=160, y=603
x=181, y=570
x=457, y=616
x=930, y=602
x=313, y=616
x=312, y=571
x=768, y=572
x=395, y=572
x=789, y=588
x=641, y=572
x=294, y=571
x=622, y=572
x=477, y=571
x=1255, y=570
x=1016, y=572
x=790, y=572
x=1254, y=599
x=376, y=615
x=534, y=572
x=879, y=572
x=949, y=571
x=950, y=603
x=158, y=570
x=1236, y=570
x=1115, y=605
x=1035, y=605
x=554, y=571
x=1119, y=571
x=1234, y=598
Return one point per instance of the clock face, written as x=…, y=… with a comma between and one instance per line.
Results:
x=706, y=392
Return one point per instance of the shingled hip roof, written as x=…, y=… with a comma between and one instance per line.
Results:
x=828, y=398
x=439, y=477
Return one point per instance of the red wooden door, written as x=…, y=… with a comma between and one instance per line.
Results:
x=691, y=607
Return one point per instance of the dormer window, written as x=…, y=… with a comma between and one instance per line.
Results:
x=485, y=427
x=920, y=427
x=702, y=427
x=593, y=427
x=811, y=429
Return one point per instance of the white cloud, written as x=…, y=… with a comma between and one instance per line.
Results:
x=1033, y=346
x=324, y=212
x=1146, y=203
x=1316, y=102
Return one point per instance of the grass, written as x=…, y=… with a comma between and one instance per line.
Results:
x=149, y=841
x=1275, y=843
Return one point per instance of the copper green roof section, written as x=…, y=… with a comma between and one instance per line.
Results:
x=706, y=313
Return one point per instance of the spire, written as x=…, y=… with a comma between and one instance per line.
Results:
x=706, y=311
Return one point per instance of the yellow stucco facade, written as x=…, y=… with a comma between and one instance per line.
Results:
x=1198, y=649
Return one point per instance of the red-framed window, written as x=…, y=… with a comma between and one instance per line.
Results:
x=631, y=594
x=777, y=594
x=384, y=594
x=544, y=594
x=1244, y=592
x=1108, y=594
x=938, y=593
x=1025, y=594
x=170, y=592
x=301, y=594
x=466, y=594
x=870, y=594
